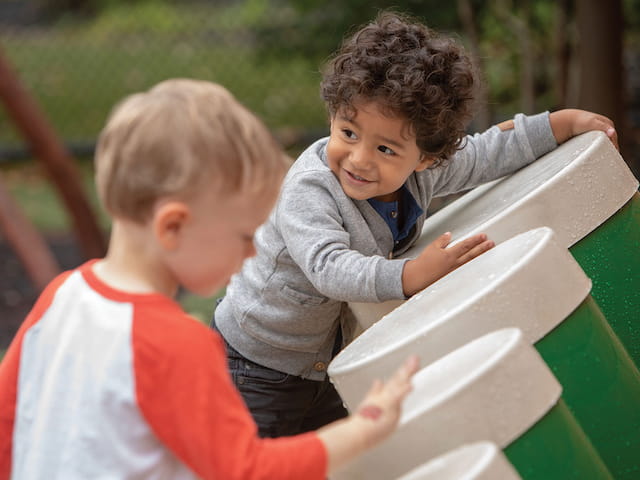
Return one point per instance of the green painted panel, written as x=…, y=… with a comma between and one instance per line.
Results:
x=610, y=256
x=556, y=448
x=600, y=385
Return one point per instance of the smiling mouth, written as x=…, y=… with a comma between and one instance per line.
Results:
x=357, y=177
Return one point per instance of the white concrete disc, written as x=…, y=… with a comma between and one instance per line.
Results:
x=492, y=389
x=475, y=461
x=573, y=190
x=529, y=282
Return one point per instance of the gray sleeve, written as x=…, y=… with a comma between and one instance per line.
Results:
x=315, y=232
x=493, y=154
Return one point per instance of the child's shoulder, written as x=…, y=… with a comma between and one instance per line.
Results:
x=311, y=165
x=165, y=322
x=313, y=157
x=171, y=340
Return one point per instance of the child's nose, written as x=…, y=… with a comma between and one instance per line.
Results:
x=360, y=158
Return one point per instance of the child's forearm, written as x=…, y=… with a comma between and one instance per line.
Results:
x=375, y=419
x=343, y=440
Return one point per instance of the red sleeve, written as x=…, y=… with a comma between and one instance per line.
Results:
x=9, y=369
x=186, y=394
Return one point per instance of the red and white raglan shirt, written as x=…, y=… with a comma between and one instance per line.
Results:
x=99, y=383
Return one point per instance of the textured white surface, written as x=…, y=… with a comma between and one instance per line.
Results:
x=572, y=190
x=492, y=389
x=529, y=282
x=476, y=461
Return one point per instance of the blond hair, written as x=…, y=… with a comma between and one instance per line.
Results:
x=177, y=138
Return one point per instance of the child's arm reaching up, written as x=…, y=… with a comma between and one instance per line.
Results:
x=436, y=260
x=376, y=418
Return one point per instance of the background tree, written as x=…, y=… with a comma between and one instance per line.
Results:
x=601, y=83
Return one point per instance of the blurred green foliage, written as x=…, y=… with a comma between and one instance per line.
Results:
x=79, y=67
x=314, y=29
x=39, y=200
x=88, y=54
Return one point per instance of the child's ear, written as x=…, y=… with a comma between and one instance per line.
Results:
x=425, y=162
x=168, y=223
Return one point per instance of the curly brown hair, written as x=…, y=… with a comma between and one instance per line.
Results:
x=410, y=71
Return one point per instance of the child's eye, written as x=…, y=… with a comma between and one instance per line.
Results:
x=386, y=150
x=348, y=133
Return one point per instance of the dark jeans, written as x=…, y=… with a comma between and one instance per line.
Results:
x=283, y=404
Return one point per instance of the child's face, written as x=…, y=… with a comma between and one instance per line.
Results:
x=372, y=154
x=216, y=238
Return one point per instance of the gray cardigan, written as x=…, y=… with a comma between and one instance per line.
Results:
x=320, y=249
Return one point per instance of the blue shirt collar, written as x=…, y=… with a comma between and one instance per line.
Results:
x=399, y=216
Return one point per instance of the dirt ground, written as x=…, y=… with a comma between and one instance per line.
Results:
x=17, y=294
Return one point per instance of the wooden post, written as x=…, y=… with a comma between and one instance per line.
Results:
x=38, y=261
x=600, y=26
x=58, y=164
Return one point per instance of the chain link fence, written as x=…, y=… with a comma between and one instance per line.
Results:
x=78, y=68
x=79, y=63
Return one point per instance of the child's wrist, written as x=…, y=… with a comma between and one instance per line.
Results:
x=366, y=431
x=562, y=124
x=408, y=287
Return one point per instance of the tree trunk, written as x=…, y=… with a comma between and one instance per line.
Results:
x=601, y=85
x=467, y=18
x=36, y=130
x=562, y=53
x=518, y=23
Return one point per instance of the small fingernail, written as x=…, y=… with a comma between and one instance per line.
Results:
x=611, y=131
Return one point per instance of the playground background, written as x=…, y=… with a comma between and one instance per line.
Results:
x=78, y=57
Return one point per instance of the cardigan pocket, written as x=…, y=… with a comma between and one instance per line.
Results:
x=303, y=298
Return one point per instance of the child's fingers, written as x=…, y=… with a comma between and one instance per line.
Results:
x=613, y=136
x=476, y=251
x=400, y=382
x=410, y=367
x=376, y=387
x=388, y=396
x=606, y=125
x=443, y=240
x=604, y=119
x=467, y=245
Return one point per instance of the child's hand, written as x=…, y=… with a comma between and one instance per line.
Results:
x=381, y=408
x=375, y=419
x=436, y=260
x=570, y=122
